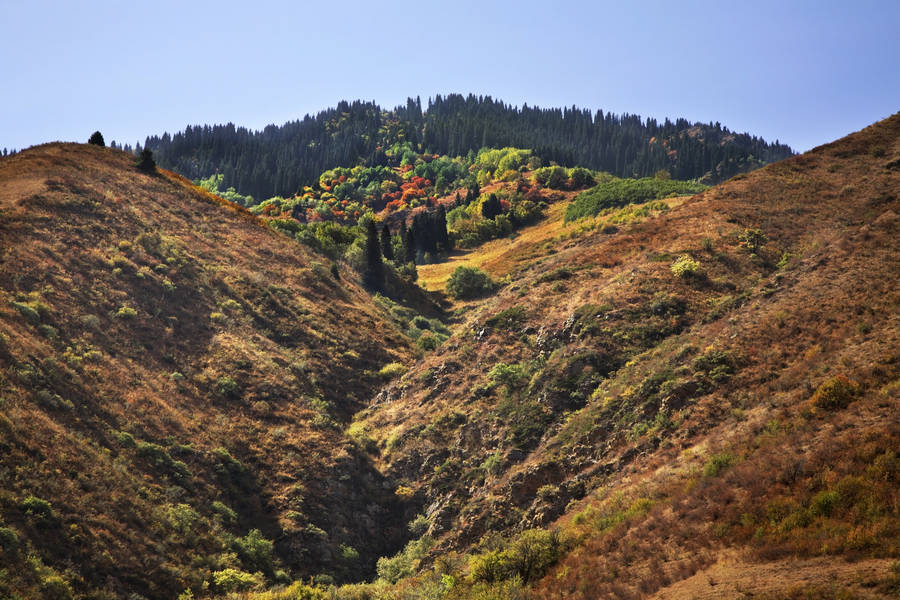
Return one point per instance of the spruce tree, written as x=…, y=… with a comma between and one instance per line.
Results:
x=146, y=162
x=386, y=248
x=373, y=273
x=443, y=237
x=491, y=207
x=409, y=245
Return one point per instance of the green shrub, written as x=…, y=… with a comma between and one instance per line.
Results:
x=428, y=342
x=512, y=376
x=685, y=266
x=528, y=556
x=224, y=511
x=752, y=239
x=508, y=319
x=255, y=551
x=54, y=587
x=405, y=562
x=228, y=388
x=392, y=370
x=233, y=580
x=37, y=508
x=718, y=463
x=126, y=312
x=834, y=393
x=31, y=315
x=620, y=192
x=125, y=439
x=9, y=540
x=469, y=282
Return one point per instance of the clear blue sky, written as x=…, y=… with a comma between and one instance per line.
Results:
x=802, y=72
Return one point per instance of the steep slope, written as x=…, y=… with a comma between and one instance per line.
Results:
x=721, y=376
x=173, y=376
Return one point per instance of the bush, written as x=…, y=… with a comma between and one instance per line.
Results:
x=392, y=370
x=255, y=551
x=228, y=388
x=9, y=540
x=233, y=580
x=404, y=563
x=528, y=557
x=37, y=508
x=718, y=463
x=126, y=312
x=685, y=267
x=508, y=319
x=54, y=587
x=469, y=282
x=834, y=393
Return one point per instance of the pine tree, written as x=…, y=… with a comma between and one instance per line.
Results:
x=491, y=207
x=146, y=162
x=386, y=248
x=96, y=139
x=409, y=245
x=373, y=273
x=443, y=237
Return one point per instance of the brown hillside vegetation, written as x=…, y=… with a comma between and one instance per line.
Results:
x=666, y=386
x=174, y=375
x=689, y=398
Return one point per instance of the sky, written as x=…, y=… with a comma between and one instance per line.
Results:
x=802, y=72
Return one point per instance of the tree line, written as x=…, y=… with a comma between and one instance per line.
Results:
x=280, y=160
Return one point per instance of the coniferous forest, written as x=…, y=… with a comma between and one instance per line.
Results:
x=281, y=160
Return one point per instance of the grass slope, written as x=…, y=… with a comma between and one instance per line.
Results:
x=720, y=377
x=173, y=375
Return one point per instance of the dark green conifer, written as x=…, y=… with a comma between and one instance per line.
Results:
x=386, y=248
x=373, y=273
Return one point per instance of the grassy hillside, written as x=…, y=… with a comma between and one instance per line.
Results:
x=174, y=376
x=687, y=397
x=670, y=386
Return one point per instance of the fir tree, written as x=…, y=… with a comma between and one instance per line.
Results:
x=386, y=248
x=491, y=207
x=146, y=162
x=443, y=237
x=409, y=246
x=373, y=273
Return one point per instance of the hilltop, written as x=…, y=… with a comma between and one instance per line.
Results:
x=281, y=160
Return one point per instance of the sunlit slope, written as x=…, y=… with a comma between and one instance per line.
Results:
x=173, y=376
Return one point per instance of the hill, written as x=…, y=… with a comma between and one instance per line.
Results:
x=173, y=377
x=674, y=389
x=281, y=160
x=679, y=397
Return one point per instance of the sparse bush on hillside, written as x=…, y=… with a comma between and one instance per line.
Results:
x=469, y=282
x=233, y=580
x=391, y=370
x=717, y=464
x=405, y=562
x=508, y=319
x=528, y=557
x=9, y=540
x=255, y=551
x=752, y=239
x=834, y=393
x=685, y=267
